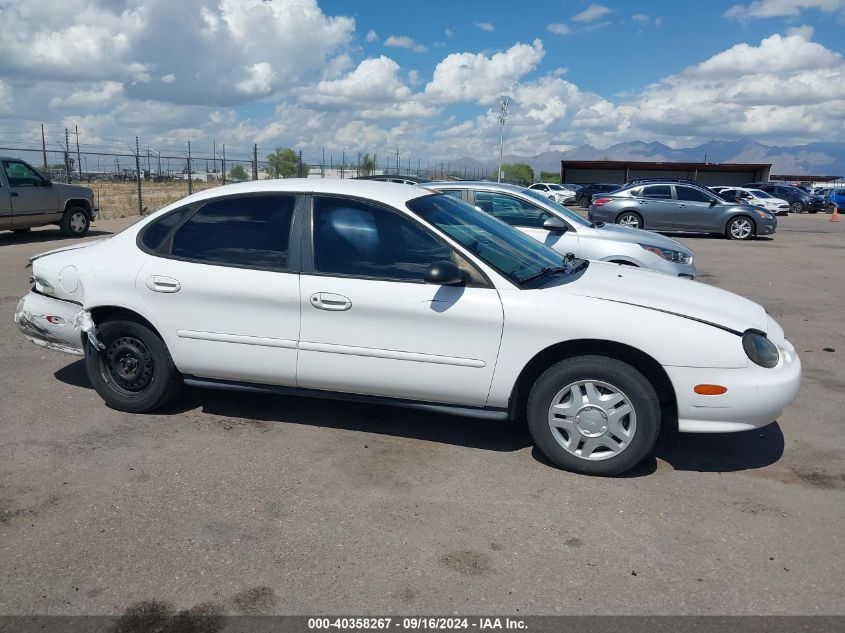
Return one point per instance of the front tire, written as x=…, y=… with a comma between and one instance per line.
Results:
x=796, y=207
x=75, y=222
x=594, y=415
x=630, y=219
x=134, y=373
x=740, y=228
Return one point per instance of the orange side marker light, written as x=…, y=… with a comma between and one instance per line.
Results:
x=710, y=390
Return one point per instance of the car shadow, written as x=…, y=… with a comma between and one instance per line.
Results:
x=696, y=452
x=708, y=236
x=45, y=235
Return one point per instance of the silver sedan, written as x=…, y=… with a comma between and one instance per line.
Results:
x=567, y=232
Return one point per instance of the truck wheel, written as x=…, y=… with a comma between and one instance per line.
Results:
x=75, y=222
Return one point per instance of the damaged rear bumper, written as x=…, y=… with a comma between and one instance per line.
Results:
x=54, y=323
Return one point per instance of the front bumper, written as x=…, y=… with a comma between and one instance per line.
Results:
x=53, y=323
x=756, y=396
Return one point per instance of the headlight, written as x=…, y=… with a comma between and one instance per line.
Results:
x=763, y=215
x=760, y=349
x=679, y=257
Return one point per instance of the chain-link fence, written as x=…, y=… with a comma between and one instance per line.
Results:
x=145, y=180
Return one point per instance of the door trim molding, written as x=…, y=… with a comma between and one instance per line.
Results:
x=391, y=354
x=218, y=337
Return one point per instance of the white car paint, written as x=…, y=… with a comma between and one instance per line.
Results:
x=440, y=345
x=558, y=193
x=762, y=199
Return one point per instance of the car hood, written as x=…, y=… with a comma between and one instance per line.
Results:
x=72, y=190
x=621, y=233
x=674, y=295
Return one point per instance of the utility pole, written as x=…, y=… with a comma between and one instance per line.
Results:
x=223, y=164
x=149, y=169
x=138, y=176
x=44, y=152
x=255, y=161
x=343, y=163
x=78, y=155
x=299, y=171
x=503, y=115
x=190, y=184
x=323, y=164
x=398, y=169
x=67, y=156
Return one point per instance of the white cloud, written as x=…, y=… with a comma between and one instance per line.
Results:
x=781, y=8
x=259, y=81
x=371, y=36
x=168, y=78
x=558, y=28
x=485, y=26
x=449, y=32
x=640, y=17
x=403, y=41
x=591, y=13
x=375, y=80
x=476, y=77
x=94, y=98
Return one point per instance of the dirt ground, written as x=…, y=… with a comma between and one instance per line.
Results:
x=258, y=504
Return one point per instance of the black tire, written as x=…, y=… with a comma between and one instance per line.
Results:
x=796, y=207
x=134, y=373
x=812, y=210
x=75, y=222
x=19, y=231
x=732, y=228
x=634, y=216
x=638, y=390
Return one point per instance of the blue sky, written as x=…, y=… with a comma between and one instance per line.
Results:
x=421, y=78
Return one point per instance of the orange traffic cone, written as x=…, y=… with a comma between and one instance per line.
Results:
x=834, y=217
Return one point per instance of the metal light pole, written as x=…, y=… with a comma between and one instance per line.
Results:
x=504, y=102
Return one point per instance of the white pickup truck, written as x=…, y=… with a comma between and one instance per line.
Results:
x=27, y=199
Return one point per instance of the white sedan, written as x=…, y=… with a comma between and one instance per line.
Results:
x=403, y=295
x=757, y=198
x=555, y=192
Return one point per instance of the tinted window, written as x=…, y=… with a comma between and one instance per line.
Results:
x=154, y=234
x=455, y=193
x=361, y=240
x=511, y=210
x=21, y=175
x=247, y=231
x=661, y=192
x=691, y=195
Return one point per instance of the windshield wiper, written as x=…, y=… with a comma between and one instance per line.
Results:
x=550, y=270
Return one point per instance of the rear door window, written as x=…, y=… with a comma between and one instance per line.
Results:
x=688, y=194
x=240, y=231
x=659, y=192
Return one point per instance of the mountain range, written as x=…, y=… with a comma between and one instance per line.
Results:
x=819, y=159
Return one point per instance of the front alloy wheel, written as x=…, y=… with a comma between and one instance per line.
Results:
x=740, y=228
x=796, y=207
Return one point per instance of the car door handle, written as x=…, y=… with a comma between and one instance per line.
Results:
x=682, y=206
x=330, y=301
x=158, y=283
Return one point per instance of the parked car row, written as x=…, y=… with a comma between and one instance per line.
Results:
x=411, y=296
x=754, y=197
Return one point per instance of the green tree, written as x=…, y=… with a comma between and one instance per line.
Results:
x=282, y=163
x=550, y=176
x=519, y=172
x=238, y=173
x=368, y=165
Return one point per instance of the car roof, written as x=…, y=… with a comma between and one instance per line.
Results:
x=474, y=184
x=393, y=193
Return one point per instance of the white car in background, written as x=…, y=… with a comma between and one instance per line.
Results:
x=755, y=197
x=349, y=289
x=558, y=193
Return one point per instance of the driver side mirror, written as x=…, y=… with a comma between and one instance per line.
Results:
x=713, y=202
x=556, y=225
x=46, y=183
x=444, y=274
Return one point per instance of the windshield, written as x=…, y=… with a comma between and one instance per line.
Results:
x=548, y=202
x=757, y=193
x=513, y=254
x=556, y=187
